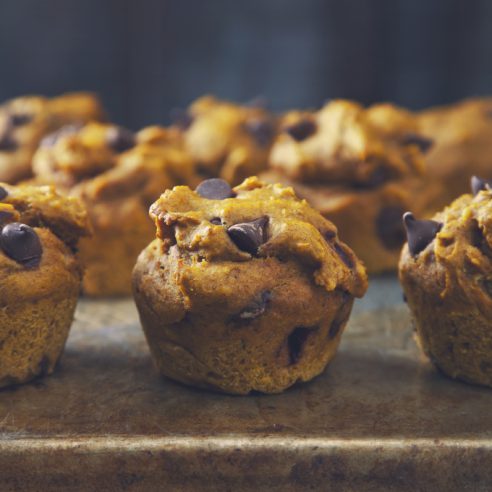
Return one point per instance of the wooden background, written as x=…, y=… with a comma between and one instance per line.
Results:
x=145, y=57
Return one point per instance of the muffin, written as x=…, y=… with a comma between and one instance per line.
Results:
x=40, y=278
x=462, y=135
x=226, y=140
x=26, y=120
x=352, y=164
x=244, y=289
x=446, y=274
x=117, y=174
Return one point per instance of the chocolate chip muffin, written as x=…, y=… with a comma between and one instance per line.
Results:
x=226, y=140
x=352, y=165
x=26, y=120
x=446, y=274
x=244, y=289
x=117, y=174
x=462, y=135
x=40, y=278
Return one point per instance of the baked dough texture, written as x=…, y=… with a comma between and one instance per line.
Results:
x=352, y=164
x=244, y=293
x=40, y=278
x=117, y=174
x=24, y=121
x=448, y=287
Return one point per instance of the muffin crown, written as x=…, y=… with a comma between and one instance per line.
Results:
x=344, y=143
x=257, y=220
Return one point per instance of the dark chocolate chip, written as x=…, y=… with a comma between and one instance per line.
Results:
x=215, y=189
x=420, y=233
x=478, y=184
x=256, y=308
x=389, y=227
x=295, y=343
x=302, y=129
x=20, y=119
x=64, y=131
x=329, y=235
x=21, y=243
x=7, y=142
x=340, y=319
x=182, y=118
x=120, y=139
x=216, y=221
x=249, y=236
x=3, y=193
x=261, y=130
x=345, y=257
x=424, y=143
x=377, y=178
x=404, y=298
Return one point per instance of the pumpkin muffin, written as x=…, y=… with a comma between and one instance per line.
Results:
x=24, y=121
x=40, y=278
x=117, y=174
x=446, y=274
x=226, y=140
x=352, y=164
x=244, y=289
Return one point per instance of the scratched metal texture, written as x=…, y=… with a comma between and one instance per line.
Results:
x=379, y=418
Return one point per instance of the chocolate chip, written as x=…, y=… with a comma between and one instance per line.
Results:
x=3, y=193
x=343, y=255
x=20, y=119
x=256, y=308
x=64, y=131
x=261, y=130
x=340, y=319
x=120, y=139
x=478, y=184
x=216, y=221
x=7, y=142
x=389, y=227
x=249, y=236
x=302, y=129
x=182, y=118
x=420, y=233
x=296, y=342
x=21, y=243
x=215, y=189
x=424, y=143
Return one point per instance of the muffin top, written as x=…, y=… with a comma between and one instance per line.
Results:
x=27, y=211
x=254, y=220
x=458, y=242
x=102, y=162
x=25, y=120
x=226, y=139
x=346, y=144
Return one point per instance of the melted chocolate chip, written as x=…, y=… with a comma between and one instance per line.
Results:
x=256, y=308
x=389, y=227
x=296, y=342
x=215, y=189
x=249, y=236
x=345, y=257
x=20, y=119
x=478, y=184
x=302, y=129
x=3, y=193
x=420, y=233
x=216, y=221
x=261, y=130
x=21, y=243
x=7, y=142
x=182, y=118
x=340, y=319
x=424, y=143
x=120, y=139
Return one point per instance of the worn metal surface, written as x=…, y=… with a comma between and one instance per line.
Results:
x=379, y=418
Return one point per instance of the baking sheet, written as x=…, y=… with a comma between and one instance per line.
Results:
x=380, y=417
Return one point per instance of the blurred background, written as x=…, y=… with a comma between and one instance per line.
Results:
x=146, y=57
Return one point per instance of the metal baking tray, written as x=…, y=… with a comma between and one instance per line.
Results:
x=379, y=418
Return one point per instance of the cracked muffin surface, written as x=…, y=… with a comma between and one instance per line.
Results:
x=24, y=121
x=446, y=274
x=40, y=278
x=117, y=174
x=243, y=289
